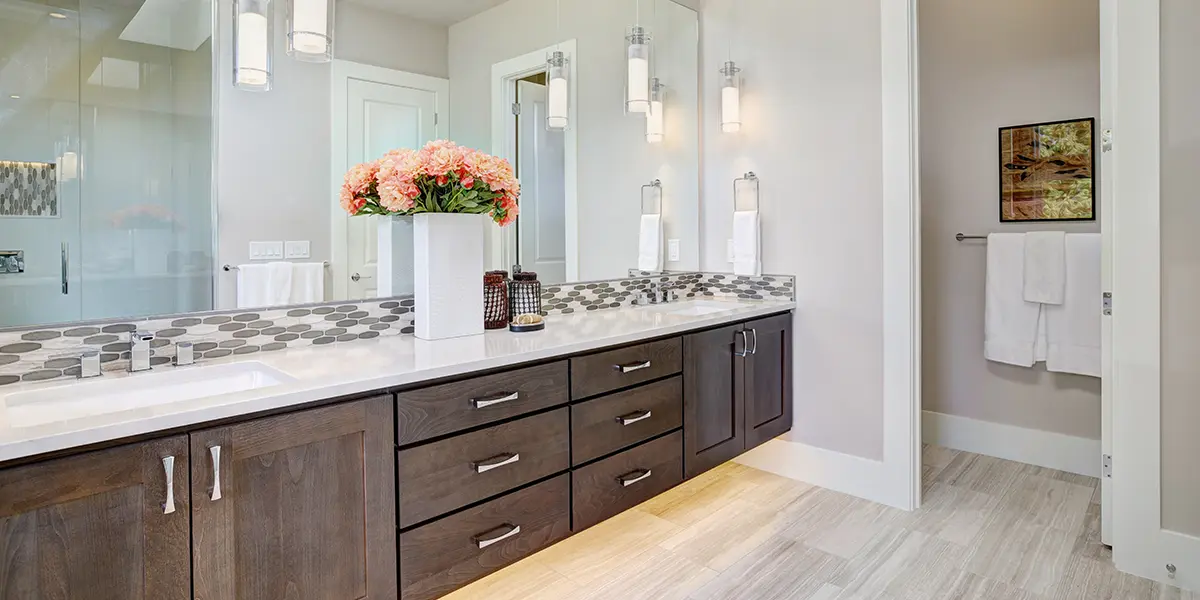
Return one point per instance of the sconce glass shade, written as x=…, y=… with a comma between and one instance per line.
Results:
x=558, y=91
x=252, y=45
x=309, y=30
x=637, y=81
x=731, y=98
x=654, y=119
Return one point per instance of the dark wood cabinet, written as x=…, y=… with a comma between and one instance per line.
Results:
x=768, y=379
x=105, y=525
x=297, y=506
x=604, y=372
x=618, y=483
x=611, y=423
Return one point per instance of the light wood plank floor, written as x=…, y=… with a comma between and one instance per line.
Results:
x=989, y=529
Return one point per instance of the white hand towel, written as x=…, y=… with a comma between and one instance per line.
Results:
x=1073, y=328
x=1011, y=325
x=308, y=283
x=264, y=285
x=1045, y=267
x=747, y=243
x=650, y=244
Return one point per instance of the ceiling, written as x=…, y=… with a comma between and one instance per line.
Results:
x=441, y=12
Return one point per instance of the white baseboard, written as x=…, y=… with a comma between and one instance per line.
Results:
x=845, y=473
x=1030, y=446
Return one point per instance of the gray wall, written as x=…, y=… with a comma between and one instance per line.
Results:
x=1180, y=266
x=368, y=36
x=985, y=65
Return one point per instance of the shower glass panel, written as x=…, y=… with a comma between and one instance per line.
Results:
x=115, y=100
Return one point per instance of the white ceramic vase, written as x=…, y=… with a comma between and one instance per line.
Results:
x=395, y=256
x=448, y=265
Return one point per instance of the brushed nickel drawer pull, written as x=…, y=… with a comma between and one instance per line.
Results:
x=634, y=477
x=495, y=462
x=169, y=467
x=494, y=400
x=215, y=451
x=483, y=542
x=745, y=345
x=754, y=349
x=631, y=367
x=634, y=417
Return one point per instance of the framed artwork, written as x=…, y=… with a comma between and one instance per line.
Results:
x=1047, y=172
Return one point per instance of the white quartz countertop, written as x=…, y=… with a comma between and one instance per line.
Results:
x=323, y=372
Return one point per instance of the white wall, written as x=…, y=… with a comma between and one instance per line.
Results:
x=372, y=37
x=811, y=131
x=984, y=66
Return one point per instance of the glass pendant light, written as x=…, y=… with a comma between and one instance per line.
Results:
x=654, y=119
x=731, y=98
x=310, y=30
x=558, y=90
x=252, y=45
x=637, y=70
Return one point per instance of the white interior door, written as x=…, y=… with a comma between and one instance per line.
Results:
x=1156, y=279
x=1108, y=48
x=375, y=110
x=542, y=224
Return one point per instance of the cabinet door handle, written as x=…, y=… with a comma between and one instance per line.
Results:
x=745, y=345
x=169, y=468
x=631, y=478
x=754, y=349
x=494, y=400
x=634, y=417
x=631, y=367
x=495, y=462
x=215, y=451
x=483, y=542
x=65, y=266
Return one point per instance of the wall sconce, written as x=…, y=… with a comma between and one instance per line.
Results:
x=252, y=45
x=637, y=81
x=731, y=98
x=654, y=119
x=558, y=92
x=309, y=30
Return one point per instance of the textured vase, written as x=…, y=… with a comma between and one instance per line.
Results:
x=449, y=275
x=395, y=256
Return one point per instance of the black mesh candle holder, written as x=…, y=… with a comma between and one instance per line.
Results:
x=524, y=295
x=495, y=300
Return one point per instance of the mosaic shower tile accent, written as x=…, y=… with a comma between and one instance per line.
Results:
x=28, y=189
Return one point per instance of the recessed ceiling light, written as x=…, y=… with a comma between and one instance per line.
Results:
x=57, y=15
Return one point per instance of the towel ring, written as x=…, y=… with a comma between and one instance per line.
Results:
x=740, y=204
x=653, y=207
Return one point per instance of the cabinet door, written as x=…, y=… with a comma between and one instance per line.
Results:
x=768, y=379
x=98, y=526
x=299, y=506
x=713, y=398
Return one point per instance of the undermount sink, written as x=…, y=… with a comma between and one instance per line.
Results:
x=694, y=308
x=161, y=387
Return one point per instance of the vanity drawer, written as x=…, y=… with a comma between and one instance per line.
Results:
x=599, y=373
x=442, y=409
x=609, y=423
x=445, y=555
x=443, y=476
x=617, y=484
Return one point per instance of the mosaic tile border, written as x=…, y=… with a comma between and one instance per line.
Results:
x=599, y=295
x=28, y=189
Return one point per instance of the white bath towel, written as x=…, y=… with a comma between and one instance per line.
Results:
x=1045, y=267
x=261, y=285
x=308, y=283
x=650, y=244
x=1073, y=328
x=1012, y=326
x=747, y=243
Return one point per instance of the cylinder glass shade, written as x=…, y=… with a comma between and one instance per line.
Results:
x=558, y=92
x=637, y=79
x=252, y=45
x=731, y=98
x=310, y=30
x=654, y=119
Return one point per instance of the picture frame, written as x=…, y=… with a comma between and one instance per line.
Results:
x=1048, y=172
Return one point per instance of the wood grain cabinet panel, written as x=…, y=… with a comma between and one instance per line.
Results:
x=625, y=367
x=714, y=414
x=443, y=409
x=98, y=526
x=768, y=379
x=306, y=506
x=621, y=482
x=447, y=475
x=440, y=557
x=610, y=423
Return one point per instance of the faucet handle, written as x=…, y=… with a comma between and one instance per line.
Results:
x=89, y=362
x=185, y=352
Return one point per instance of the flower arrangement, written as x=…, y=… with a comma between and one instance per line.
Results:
x=442, y=177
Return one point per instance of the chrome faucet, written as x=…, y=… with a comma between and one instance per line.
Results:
x=89, y=363
x=139, y=351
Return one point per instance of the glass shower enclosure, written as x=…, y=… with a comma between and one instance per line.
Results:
x=105, y=159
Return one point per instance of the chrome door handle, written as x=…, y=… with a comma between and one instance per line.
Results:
x=65, y=250
x=495, y=462
x=486, y=402
x=754, y=349
x=631, y=367
x=215, y=451
x=359, y=277
x=634, y=417
x=483, y=542
x=169, y=468
x=745, y=345
x=631, y=478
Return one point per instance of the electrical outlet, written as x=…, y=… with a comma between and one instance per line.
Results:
x=298, y=249
x=673, y=250
x=266, y=250
x=729, y=251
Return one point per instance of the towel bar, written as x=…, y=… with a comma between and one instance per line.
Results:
x=233, y=268
x=960, y=237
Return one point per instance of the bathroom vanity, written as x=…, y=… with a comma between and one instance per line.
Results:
x=416, y=469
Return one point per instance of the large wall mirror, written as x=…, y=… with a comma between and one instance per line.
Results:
x=132, y=170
